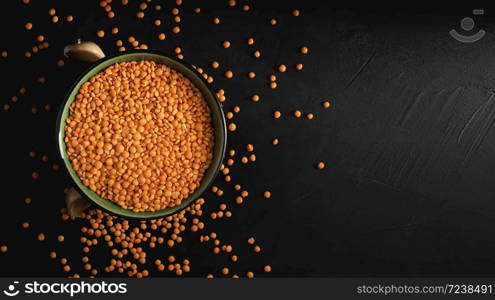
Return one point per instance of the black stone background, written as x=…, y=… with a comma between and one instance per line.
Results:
x=408, y=142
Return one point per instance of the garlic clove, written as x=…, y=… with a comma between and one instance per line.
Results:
x=84, y=51
x=75, y=203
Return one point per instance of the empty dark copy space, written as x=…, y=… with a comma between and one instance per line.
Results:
x=408, y=141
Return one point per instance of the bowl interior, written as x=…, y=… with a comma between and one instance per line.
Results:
x=218, y=124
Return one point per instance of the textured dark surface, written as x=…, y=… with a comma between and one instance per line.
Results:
x=408, y=141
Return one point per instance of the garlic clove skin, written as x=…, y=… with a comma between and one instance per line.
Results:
x=84, y=51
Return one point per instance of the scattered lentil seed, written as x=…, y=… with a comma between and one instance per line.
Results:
x=325, y=104
x=277, y=114
x=216, y=20
x=267, y=194
x=295, y=13
x=321, y=165
x=251, y=75
x=250, y=41
x=257, y=249
x=273, y=22
x=226, y=44
x=267, y=269
x=282, y=68
x=297, y=113
x=273, y=85
x=232, y=127
x=309, y=116
x=275, y=142
x=304, y=50
x=257, y=53
x=28, y=26
x=255, y=98
x=251, y=240
x=299, y=67
x=229, y=74
x=215, y=64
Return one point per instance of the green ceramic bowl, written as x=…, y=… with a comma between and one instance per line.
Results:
x=211, y=99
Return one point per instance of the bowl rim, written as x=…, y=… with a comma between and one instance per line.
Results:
x=216, y=102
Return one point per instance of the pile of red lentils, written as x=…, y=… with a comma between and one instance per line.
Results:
x=140, y=134
x=106, y=161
